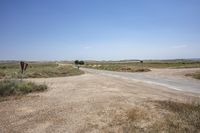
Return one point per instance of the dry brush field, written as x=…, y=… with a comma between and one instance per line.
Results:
x=97, y=103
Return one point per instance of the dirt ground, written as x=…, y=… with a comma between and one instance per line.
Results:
x=86, y=103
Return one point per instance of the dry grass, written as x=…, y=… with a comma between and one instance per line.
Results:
x=182, y=117
x=17, y=87
x=195, y=75
x=136, y=114
x=117, y=65
x=131, y=66
x=165, y=117
x=120, y=67
x=37, y=70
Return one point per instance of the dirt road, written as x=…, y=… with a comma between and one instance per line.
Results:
x=171, y=78
x=86, y=103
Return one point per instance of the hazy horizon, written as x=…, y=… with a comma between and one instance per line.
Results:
x=99, y=30
x=192, y=59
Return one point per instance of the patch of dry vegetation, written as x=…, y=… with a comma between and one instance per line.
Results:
x=195, y=75
x=182, y=117
x=137, y=66
x=119, y=67
x=37, y=70
x=17, y=87
x=165, y=117
x=136, y=114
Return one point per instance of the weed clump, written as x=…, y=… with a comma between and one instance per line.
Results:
x=194, y=75
x=17, y=87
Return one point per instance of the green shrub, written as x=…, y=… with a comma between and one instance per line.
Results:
x=16, y=87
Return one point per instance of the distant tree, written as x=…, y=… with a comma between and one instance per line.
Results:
x=76, y=62
x=81, y=62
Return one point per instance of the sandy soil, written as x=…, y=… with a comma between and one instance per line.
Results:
x=86, y=103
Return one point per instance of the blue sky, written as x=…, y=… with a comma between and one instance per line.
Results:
x=99, y=29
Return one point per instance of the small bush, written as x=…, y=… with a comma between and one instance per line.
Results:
x=2, y=74
x=3, y=67
x=195, y=75
x=136, y=114
x=142, y=70
x=16, y=87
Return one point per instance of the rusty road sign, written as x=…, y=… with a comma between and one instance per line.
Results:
x=23, y=66
x=26, y=65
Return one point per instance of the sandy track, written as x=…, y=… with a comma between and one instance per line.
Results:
x=86, y=103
